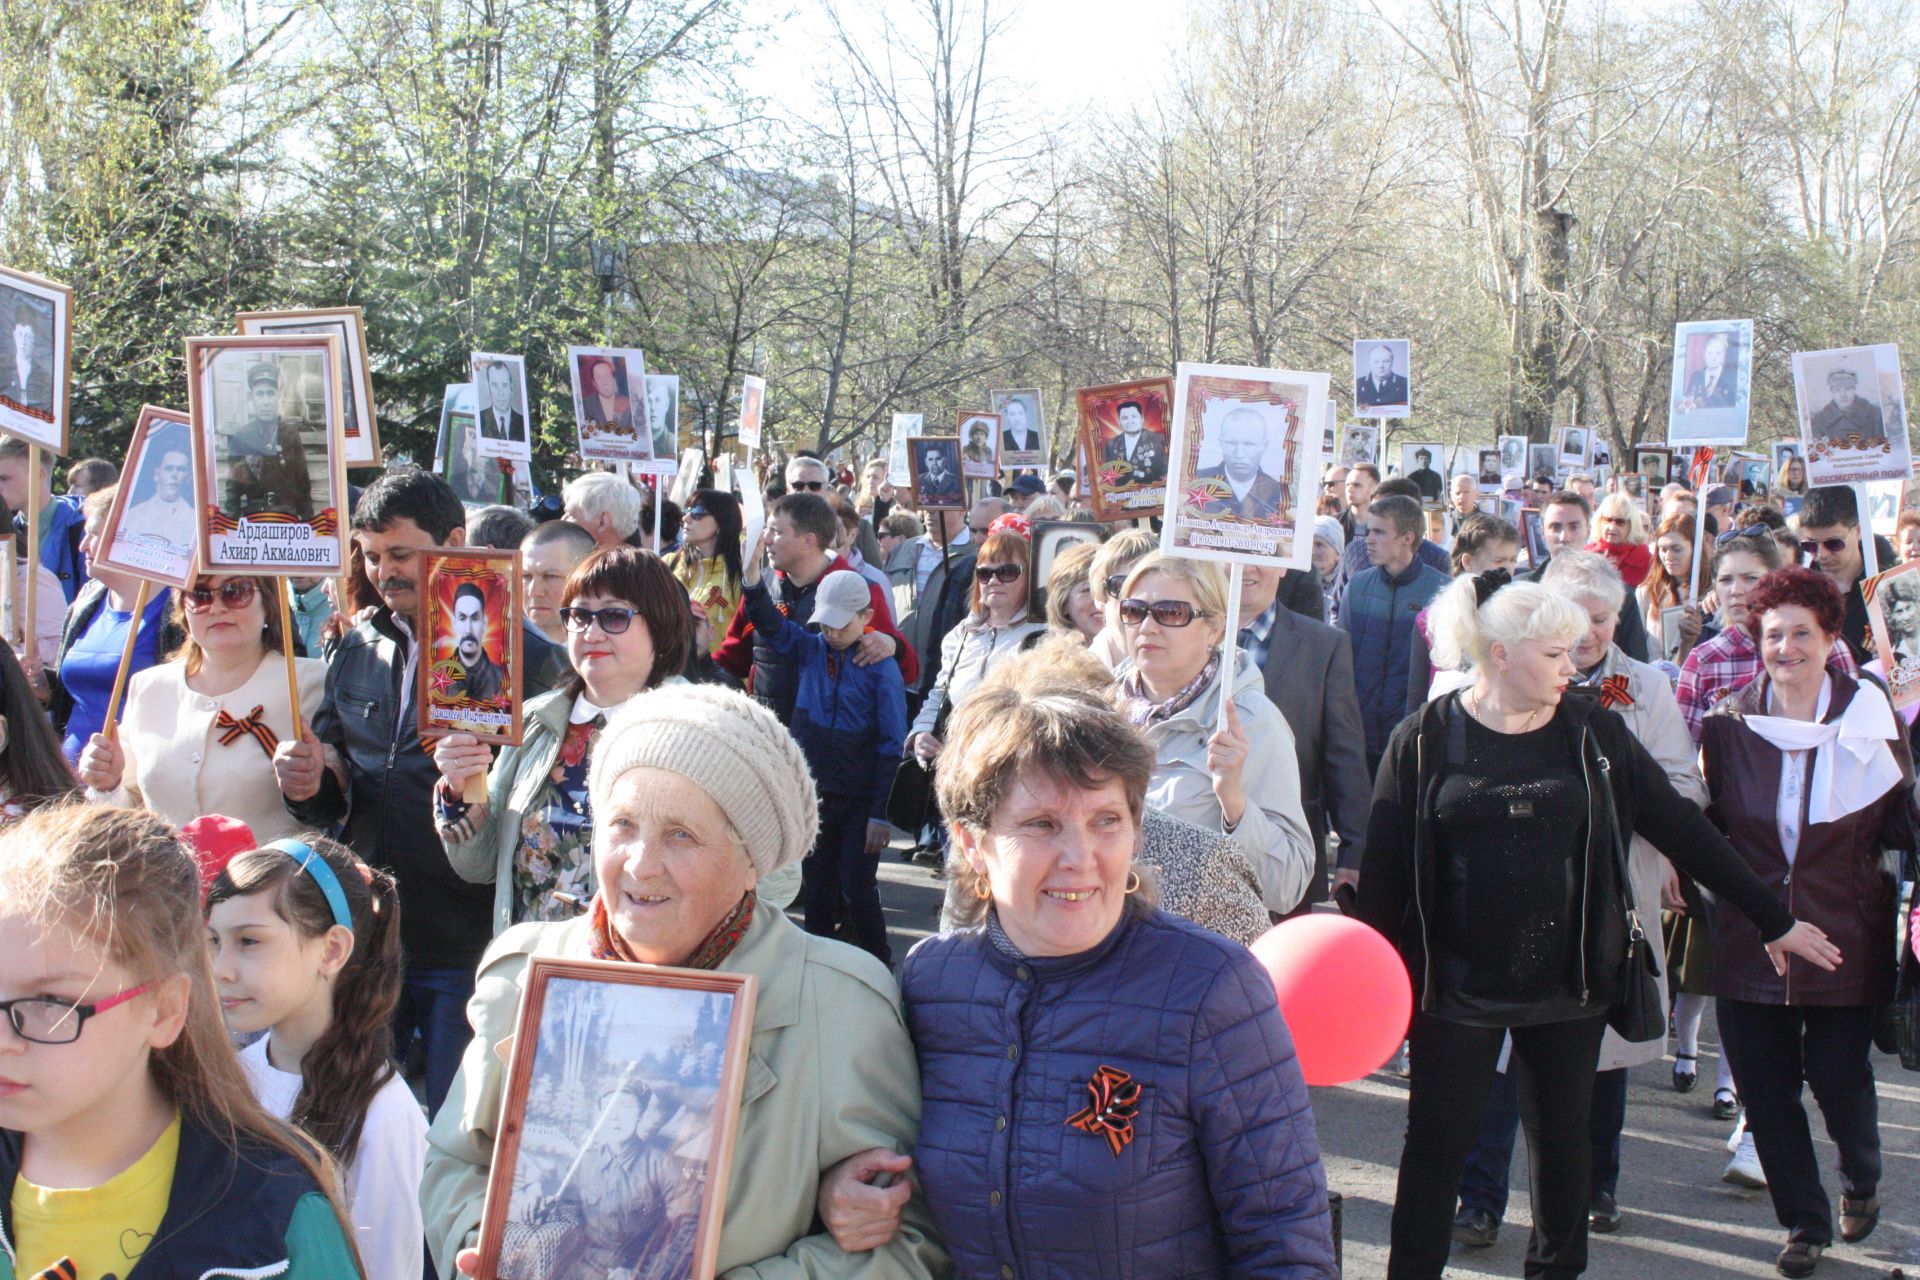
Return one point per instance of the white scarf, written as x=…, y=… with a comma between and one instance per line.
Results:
x=1859, y=770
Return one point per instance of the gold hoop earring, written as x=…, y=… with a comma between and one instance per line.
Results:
x=983, y=890
x=1133, y=882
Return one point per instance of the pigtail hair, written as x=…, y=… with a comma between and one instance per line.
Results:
x=353, y=1058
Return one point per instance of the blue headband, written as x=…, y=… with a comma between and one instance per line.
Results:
x=316, y=866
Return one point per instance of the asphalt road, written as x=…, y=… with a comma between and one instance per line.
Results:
x=1679, y=1219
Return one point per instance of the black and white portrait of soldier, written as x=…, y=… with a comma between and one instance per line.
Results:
x=1377, y=384
x=263, y=462
x=939, y=478
x=1847, y=412
x=26, y=357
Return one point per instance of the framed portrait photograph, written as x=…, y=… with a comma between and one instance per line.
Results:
x=1533, y=536
x=1653, y=462
x=1893, y=609
x=1381, y=371
x=687, y=479
x=1050, y=538
x=617, y=1129
x=1330, y=435
x=149, y=529
x=266, y=454
x=1489, y=472
x=36, y=361
x=1852, y=409
x=1784, y=452
x=1360, y=443
x=906, y=426
x=1023, y=431
x=470, y=662
x=457, y=457
x=1633, y=484
x=1571, y=447
x=1708, y=396
x=1513, y=461
x=1245, y=465
x=753, y=408
x=359, y=423
x=500, y=387
x=610, y=403
x=933, y=464
x=663, y=422
x=1542, y=460
x=1671, y=640
x=979, y=445
x=1425, y=463
x=1123, y=426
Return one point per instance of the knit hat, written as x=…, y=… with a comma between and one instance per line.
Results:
x=1327, y=529
x=733, y=749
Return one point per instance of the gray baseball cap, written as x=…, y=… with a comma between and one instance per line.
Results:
x=840, y=595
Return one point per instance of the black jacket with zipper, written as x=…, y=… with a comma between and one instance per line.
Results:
x=1627, y=791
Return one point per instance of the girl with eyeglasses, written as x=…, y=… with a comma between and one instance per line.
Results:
x=130, y=1140
x=628, y=631
x=1243, y=780
x=707, y=562
x=81, y=676
x=199, y=731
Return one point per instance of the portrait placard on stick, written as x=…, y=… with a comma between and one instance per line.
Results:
x=617, y=1129
x=1708, y=398
x=753, y=406
x=687, y=478
x=934, y=462
x=1893, y=607
x=1245, y=464
x=1382, y=371
x=663, y=421
x=148, y=532
x=36, y=359
x=1542, y=460
x=979, y=445
x=1853, y=417
x=906, y=426
x=1575, y=444
x=610, y=403
x=359, y=424
x=1361, y=444
x=1123, y=428
x=500, y=383
x=1653, y=462
x=1023, y=431
x=266, y=414
x=1425, y=463
x=469, y=627
x=1513, y=462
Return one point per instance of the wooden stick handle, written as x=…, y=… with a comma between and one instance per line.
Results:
x=286, y=649
x=121, y=676
x=33, y=544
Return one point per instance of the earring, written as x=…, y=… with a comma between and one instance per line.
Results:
x=983, y=890
x=1133, y=882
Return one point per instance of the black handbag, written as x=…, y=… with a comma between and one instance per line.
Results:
x=910, y=799
x=1638, y=1014
x=1906, y=1000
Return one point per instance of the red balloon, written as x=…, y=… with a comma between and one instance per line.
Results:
x=1343, y=990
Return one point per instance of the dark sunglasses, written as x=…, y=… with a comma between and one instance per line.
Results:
x=1168, y=613
x=1757, y=532
x=1115, y=582
x=613, y=619
x=1004, y=572
x=237, y=593
x=812, y=486
x=1832, y=546
x=694, y=513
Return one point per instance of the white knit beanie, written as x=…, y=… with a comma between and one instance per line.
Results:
x=734, y=748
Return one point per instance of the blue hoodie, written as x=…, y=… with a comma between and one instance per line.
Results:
x=850, y=721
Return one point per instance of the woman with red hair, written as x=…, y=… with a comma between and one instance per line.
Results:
x=1810, y=777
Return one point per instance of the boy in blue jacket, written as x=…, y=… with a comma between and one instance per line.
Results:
x=851, y=722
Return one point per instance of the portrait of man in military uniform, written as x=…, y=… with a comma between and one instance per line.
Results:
x=484, y=677
x=1144, y=450
x=263, y=461
x=1847, y=412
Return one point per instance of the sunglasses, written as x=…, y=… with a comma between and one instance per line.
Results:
x=1832, y=546
x=694, y=513
x=1168, y=613
x=1002, y=572
x=1115, y=582
x=812, y=486
x=1757, y=532
x=235, y=594
x=613, y=619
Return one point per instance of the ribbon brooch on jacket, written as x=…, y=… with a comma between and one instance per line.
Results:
x=1113, y=1102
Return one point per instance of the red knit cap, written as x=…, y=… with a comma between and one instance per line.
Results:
x=215, y=839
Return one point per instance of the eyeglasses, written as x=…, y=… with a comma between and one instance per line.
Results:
x=1002, y=572
x=812, y=486
x=235, y=593
x=1168, y=613
x=44, y=1020
x=694, y=513
x=1832, y=546
x=613, y=619
x=1115, y=582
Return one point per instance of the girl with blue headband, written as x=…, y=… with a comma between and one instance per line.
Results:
x=306, y=947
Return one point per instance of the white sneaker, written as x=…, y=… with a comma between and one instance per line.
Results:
x=1744, y=1169
x=1397, y=1065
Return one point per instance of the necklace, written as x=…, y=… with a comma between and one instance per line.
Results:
x=1528, y=724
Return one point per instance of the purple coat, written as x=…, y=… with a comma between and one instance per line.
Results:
x=1222, y=1176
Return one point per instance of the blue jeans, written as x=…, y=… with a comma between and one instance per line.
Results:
x=1484, y=1184
x=433, y=1005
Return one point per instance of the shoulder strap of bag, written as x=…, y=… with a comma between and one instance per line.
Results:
x=1623, y=869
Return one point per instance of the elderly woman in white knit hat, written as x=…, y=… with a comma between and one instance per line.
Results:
x=698, y=793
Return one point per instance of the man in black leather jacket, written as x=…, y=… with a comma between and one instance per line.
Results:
x=361, y=762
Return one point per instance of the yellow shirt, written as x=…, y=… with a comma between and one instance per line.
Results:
x=706, y=582
x=102, y=1229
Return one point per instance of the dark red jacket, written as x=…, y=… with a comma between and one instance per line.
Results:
x=1836, y=881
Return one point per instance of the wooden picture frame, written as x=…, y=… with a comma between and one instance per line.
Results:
x=942, y=489
x=38, y=411
x=1049, y=539
x=262, y=511
x=360, y=425
x=593, y=1046
x=1119, y=489
x=978, y=422
x=470, y=594
x=1243, y=471
x=1655, y=462
x=149, y=529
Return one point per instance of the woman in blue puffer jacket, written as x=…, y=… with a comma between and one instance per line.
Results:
x=1108, y=1091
